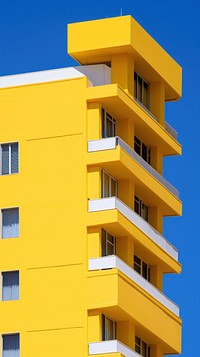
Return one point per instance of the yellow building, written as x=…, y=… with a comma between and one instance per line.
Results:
x=83, y=198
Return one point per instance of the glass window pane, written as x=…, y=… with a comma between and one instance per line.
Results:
x=146, y=94
x=10, y=285
x=139, y=91
x=14, y=158
x=144, y=152
x=5, y=159
x=135, y=85
x=136, y=205
x=105, y=184
x=11, y=345
x=10, y=223
x=113, y=187
x=103, y=238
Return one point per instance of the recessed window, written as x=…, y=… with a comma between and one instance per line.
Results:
x=108, y=125
x=9, y=158
x=10, y=285
x=141, y=90
x=11, y=346
x=142, y=150
x=108, y=243
x=142, y=347
x=142, y=268
x=109, y=185
x=108, y=329
x=10, y=222
x=141, y=209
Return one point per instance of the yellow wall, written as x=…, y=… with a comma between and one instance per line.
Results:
x=61, y=303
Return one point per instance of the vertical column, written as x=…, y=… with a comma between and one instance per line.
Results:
x=157, y=101
x=157, y=159
x=156, y=218
x=94, y=326
x=126, y=192
x=94, y=182
x=125, y=130
x=123, y=72
x=94, y=121
x=125, y=250
x=157, y=277
x=94, y=242
x=156, y=351
x=126, y=333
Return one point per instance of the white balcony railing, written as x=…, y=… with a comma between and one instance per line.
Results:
x=111, y=203
x=113, y=261
x=113, y=142
x=111, y=346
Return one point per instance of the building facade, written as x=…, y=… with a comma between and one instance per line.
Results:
x=82, y=199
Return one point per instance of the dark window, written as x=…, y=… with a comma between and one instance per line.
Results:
x=141, y=209
x=141, y=90
x=108, y=125
x=142, y=149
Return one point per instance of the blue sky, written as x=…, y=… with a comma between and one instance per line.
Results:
x=33, y=37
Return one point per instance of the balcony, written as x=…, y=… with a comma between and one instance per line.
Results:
x=110, y=262
x=113, y=142
x=113, y=203
x=114, y=346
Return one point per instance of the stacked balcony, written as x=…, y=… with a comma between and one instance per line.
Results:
x=113, y=156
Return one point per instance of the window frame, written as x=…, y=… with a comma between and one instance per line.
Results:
x=142, y=207
x=1, y=220
x=105, y=117
x=140, y=344
x=9, y=158
x=10, y=334
x=140, y=144
x=105, y=242
x=105, y=331
x=110, y=179
x=3, y=286
x=144, y=82
x=141, y=267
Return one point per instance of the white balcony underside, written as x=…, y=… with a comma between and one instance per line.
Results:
x=113, y=346
x=111, y=203
x=113, y=142
x=113, y=261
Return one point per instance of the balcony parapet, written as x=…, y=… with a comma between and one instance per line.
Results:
x=111, y=203
x=113, y=261
x=111, y=346
x=113, y=142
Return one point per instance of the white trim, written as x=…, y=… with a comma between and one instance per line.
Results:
x=113, y=261
x=111, y=203
x=113, y=142
x=39, y=77
x=113, y=346
x=97, y=75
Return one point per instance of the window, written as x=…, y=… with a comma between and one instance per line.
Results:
x=142, y=150
x=108, y=243
x=9, y=158
x=10, y=222
x=11, y=345
x=141, y=90
x=142, y=347
x=108, y=329
x=141, y=209
x=10, y=285
x=108, y=125
x=109, y=185
x=142, y=268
